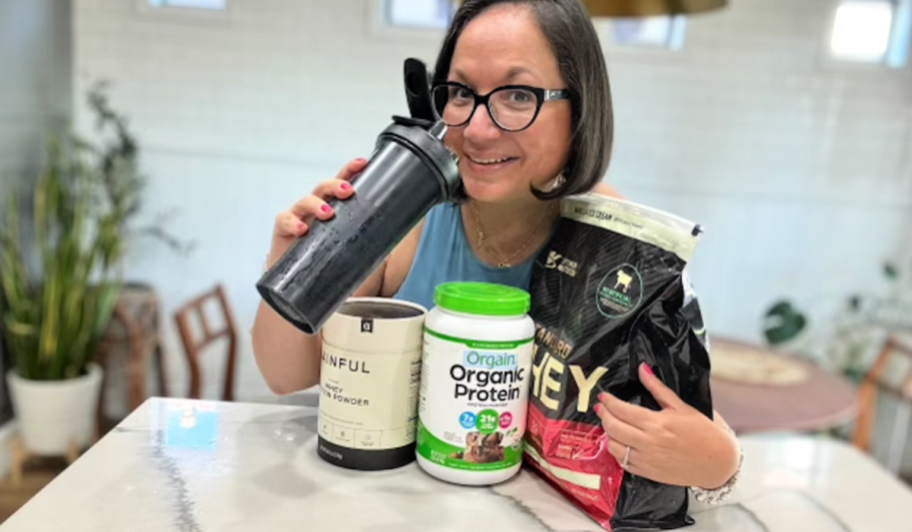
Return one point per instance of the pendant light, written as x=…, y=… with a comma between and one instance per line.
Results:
x=650, y=8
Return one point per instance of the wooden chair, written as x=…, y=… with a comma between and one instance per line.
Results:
x=890, y=375
x=193, y=346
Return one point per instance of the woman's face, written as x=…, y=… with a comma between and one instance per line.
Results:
x=504, y=46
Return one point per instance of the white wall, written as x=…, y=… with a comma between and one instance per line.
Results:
x=800, y=170
x=35, y=81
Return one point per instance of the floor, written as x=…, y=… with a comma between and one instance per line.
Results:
x=38, y=474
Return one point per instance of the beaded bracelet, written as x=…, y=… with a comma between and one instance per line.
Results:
x=722, y=493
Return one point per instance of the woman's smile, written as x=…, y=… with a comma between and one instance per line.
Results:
x=485, y=167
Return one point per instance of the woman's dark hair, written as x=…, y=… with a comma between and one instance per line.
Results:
x=567, y=27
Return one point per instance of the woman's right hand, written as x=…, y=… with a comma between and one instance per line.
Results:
x=290, y=224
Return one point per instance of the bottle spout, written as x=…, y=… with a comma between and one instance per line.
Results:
x=438, y=130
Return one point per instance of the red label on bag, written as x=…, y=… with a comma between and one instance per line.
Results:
x=575, y=457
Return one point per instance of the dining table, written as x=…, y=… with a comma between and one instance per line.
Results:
x=758, y=389
x=208, y=466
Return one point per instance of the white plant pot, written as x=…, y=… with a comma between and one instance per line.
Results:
x=54, y=415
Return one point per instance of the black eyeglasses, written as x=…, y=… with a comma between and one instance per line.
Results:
x=512, y=107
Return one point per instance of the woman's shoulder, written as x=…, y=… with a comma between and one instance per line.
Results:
x=606, y=190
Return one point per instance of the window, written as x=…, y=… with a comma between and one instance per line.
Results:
x=861, y=30
x=196, y=4
x=872, y=31
x=653, y=32
x=429, y=14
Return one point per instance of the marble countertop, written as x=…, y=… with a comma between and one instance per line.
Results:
x=196, y=466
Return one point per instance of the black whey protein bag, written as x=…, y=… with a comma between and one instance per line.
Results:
x=608, y=293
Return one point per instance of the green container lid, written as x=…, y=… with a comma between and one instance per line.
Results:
x=485, y=299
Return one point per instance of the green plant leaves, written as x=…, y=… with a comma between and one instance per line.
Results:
x=783, y=322
x=82, y=205
x=54, y=314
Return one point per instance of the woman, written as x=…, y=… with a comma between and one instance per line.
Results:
x=520, y=150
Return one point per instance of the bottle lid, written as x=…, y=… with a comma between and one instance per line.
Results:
x=485, y=299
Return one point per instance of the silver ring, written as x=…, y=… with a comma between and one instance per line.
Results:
x=626, y=463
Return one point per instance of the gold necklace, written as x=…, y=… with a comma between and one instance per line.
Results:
x=482, y=241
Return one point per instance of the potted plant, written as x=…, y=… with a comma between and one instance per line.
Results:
x=57, y=294
x=854, y=334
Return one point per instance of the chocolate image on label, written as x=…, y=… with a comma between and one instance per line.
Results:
x=482, y=448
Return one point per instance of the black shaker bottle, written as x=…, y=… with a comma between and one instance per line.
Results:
x=410, y=172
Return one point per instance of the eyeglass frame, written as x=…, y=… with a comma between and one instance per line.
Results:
x=542, y=96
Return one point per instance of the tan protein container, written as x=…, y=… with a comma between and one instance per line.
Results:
x=369, y=378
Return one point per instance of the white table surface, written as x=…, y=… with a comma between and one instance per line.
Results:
x=193, y=466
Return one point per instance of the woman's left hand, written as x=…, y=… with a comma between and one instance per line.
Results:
x=676, y=445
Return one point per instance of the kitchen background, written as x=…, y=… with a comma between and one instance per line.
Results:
x=752, y=120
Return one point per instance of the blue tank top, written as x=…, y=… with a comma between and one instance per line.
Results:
x=444, y=255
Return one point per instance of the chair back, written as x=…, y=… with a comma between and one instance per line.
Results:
x=195, y=344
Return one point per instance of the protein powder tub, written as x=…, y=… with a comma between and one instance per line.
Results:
x=475, y=378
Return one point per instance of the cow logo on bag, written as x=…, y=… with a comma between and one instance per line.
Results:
x=620, y=292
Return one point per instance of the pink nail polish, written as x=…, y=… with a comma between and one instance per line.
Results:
x=648, y=369
x=601, y=396
x=345, y=186
x=300, y=226
x=325, y=208
x=597, y=408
